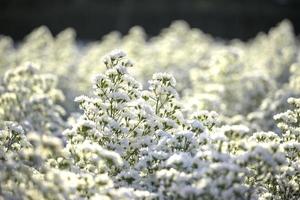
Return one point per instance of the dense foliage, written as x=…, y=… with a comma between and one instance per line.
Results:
x=228, y=128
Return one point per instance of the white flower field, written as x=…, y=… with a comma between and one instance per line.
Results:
x=181, y=115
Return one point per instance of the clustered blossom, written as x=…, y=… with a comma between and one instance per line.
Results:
x=209, y=72
x=168, y=156
x=31, y=99
x=24, y=173
x=228, y=128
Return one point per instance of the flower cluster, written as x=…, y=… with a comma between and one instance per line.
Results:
x=228, y=128
x=24, y=173
x=209, y=71
x=31, y=99
x=166, y=155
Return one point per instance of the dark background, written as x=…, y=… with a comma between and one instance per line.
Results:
x=93, y=18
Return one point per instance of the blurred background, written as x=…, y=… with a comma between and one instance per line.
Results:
x=94, y=18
